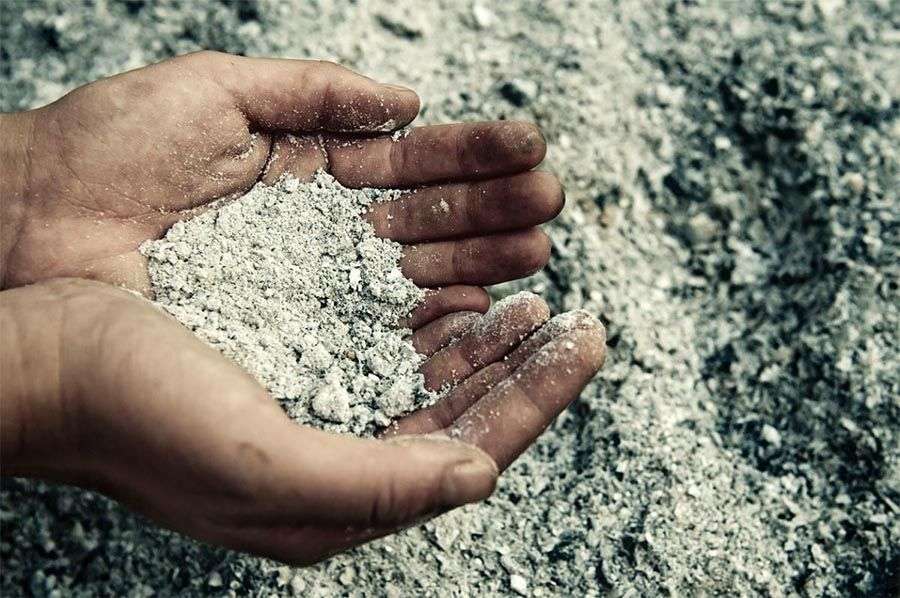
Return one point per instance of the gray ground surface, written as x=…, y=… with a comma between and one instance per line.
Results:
x=732, y=171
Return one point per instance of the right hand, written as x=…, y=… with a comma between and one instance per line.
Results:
x=86, y=180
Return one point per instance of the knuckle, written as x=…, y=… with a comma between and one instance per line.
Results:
x=390, y=504
x=328, y=71
x=206, y=57
x=462, y=255
x=472, y=207
x=443, y=415
x=461, y=142
x=329, y=65
x=397, y=163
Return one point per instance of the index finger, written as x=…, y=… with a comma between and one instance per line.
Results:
x=437, y=153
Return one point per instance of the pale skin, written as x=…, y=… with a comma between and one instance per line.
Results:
x=101, y=389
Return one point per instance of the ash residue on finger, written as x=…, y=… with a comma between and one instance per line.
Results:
x=291, y=282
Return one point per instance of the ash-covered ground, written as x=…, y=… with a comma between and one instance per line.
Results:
x=732, y=179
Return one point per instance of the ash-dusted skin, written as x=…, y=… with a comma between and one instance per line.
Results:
x=104, y=390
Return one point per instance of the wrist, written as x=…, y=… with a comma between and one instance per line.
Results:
x=16, y=133
x=38, y=419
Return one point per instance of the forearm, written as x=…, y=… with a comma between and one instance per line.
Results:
x=15, y=143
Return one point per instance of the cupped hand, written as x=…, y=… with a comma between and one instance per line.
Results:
x=117, y=162
x=103, y=389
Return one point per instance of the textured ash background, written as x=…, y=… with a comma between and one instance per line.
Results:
x=732, y=175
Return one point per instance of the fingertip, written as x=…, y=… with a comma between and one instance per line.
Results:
x=537, y=196
x=592, y=343
x=573, y=348
x=537, y=254
x=512, y=319
x=581, y=351
x=357, y=103
x=462, y=297
x=401, y=89
x=601, y=330
x=406, y=98
x=547, y=194
x=527, y=141
x=436, y=335
x=469, y=482
x=521, y=254
x=571, y=320
x=593, y=330
x=480, y=299
x=506, y=146
x=446, y=300
x=535, y=308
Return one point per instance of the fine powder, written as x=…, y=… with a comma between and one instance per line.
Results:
x=291, y=282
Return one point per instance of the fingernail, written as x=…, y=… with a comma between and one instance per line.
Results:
x=469, y=481
x=533, y=140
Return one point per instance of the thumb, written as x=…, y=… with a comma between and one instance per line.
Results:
x=334, y=480
x=327, y=493
x=463, y=474
x=309, y=95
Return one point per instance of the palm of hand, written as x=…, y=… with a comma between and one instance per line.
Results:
x=178, y=432
x=120, y=161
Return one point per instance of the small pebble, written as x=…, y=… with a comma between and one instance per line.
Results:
x=518, y=584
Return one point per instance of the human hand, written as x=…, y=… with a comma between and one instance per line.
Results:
x=104, y=390
x=113, y=394
x=117, y=162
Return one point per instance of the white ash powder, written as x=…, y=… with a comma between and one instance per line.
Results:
x=291, y=282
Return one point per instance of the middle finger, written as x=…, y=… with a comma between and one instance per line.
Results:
x=436, y=153
x=468, y=209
